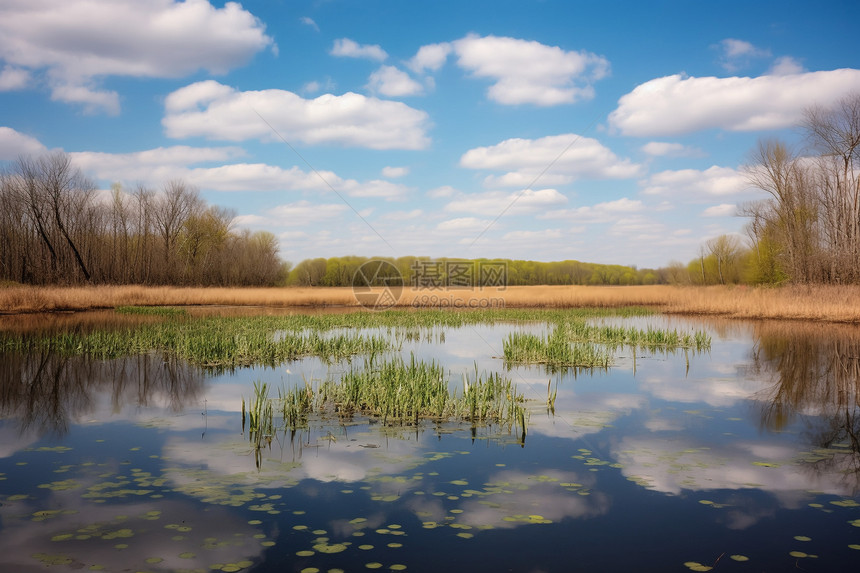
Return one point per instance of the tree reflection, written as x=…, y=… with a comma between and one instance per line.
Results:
x=816, y=376
x=46, y=392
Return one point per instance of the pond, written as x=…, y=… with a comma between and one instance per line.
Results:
x=743, y=456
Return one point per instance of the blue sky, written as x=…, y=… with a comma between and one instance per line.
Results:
x=611, y=132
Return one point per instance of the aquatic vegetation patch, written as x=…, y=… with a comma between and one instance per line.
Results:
x=393, y=391
x=573, y=342
x=221, y=342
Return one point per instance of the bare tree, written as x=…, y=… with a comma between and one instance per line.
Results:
x=178, y=202
x=791, y=212
x=835, y=134
x=725, y=249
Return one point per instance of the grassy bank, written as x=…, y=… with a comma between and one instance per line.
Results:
x=818, y=303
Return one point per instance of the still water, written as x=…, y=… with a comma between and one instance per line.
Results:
x=744, y=458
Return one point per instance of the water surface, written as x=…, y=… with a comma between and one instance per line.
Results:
x=744, y=458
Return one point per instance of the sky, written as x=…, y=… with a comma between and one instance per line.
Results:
x=609, y=132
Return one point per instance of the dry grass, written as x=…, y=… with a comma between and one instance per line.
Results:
x=820, y=303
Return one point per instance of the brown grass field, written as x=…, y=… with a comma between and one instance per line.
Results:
x=818, y=303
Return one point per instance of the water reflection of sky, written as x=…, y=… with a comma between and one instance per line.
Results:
x=659, y=432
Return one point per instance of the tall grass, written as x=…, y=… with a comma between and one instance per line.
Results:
x=824, y=303
x=213, y=342
x=576, y=343
x=395, y=392
x=554, y=349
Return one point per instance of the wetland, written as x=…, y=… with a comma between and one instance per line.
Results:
x=526, y=440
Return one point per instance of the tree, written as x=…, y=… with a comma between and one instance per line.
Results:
x=790, y=215
x=835, y=134
x=176, y=204
x=725, y=249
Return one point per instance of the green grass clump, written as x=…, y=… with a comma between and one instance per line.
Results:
x=576, y=343
x=555, y=349
x=395, y=392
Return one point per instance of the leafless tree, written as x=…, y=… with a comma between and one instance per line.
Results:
x=834, y=134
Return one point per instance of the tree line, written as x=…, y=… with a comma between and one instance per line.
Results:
x=428, y=272
x=55, y=228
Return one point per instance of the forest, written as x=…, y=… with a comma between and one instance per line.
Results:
x=56, y=228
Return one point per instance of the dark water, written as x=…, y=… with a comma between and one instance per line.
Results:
x=741, y=459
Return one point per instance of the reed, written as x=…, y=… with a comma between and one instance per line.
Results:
x=817, y=303
x=395, y=392
x=213, y=342
x=579, y=344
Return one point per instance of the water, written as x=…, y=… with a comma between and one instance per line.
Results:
x=743, y=458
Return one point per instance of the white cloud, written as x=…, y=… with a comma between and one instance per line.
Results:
x=557, y=159
x=391, y=82
x=722, y=210
x=346, y=48
x=309, y=22
x=441, y=192
x=14, y=144
x=12, y=78
x=493, y=203
x=154, y=167
x=304, y=213
x=533, y=236
x=213, y=110
x=737, y=54
x=93, y=100
x=76, y=43
x=786, y=66
x=675, y=104
x=666, y=149
x=529, y=72
x=605, y=212
x=463, y=224
x=430, y=57
x=696, y=184
x=394, y=172
x=314, y=86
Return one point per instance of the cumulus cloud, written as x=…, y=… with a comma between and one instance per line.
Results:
x=526, y=71
x=309, y=22
x=430, y=57
x=666, y=149
x=155, y=166
x=463, y=224
x=786, y=66
x=346, y=48
x=604, y=212
x=721, y=210
x=12, y=78
x=554, y=159
x=696, y=184
x=494, y=203
x=676, y=104
x=14, y=144
x=441, y=192
x=213, y=110
x=533, y=236
x=76, y=44
x=736, y=54
x=394, y=172
x=391, y=82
